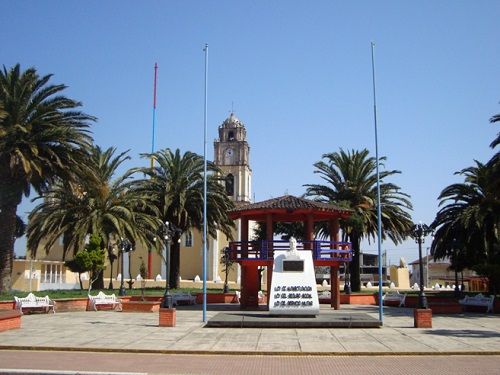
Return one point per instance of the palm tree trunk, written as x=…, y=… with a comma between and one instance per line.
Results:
x=7, y=239
x=355, y=264
x=80, y=280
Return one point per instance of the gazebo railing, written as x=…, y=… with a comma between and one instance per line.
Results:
x=264, y=250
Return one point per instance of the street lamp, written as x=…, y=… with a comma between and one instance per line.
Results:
x=419, y=232
x=347, y=279
x=455, y=267
x=169, y=231
x=125, y=247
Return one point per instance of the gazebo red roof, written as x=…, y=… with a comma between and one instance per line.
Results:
x=289, y=208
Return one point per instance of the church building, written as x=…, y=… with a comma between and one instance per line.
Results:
x=231, y=155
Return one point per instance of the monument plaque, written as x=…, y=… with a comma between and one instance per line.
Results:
x=293, y=286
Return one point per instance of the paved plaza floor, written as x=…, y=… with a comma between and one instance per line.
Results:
x=469, y=333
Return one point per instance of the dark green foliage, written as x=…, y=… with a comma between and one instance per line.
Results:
x=174, y=186
x=467, y=225
x=227, y=265
x=351, y=182
x=43, y=138
x=286, y=230
x=97, y=203
x=90, y=260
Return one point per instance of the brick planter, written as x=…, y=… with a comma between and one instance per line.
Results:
x=7, y=305
x=140, y=306
x=167, y=317
x=71, y=304
x=9, y=320
x=356, y=299
x=446, y=308
x=422, y=318
x=216, y=298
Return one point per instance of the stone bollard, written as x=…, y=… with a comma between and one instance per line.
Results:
x=167, y=317
x=422, y=318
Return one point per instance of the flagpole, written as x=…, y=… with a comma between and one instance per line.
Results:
x=379, y=209
x=205, y=191
x=154, y=115
x=150, y=256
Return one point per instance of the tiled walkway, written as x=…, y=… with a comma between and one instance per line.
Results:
x=139, y=332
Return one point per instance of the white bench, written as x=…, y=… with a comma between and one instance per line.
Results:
x=478, y=300
x=105, y=299
x=184, y=298
x=33, y=302
x=394, y=297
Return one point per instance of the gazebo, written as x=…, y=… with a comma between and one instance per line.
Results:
x=254, y=254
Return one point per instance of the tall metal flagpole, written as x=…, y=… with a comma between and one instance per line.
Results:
x=379, y=208
x=154, y=115
x=150, y=256
x=205, y=190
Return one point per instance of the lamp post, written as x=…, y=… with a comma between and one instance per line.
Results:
x=125, y=247
x=169, y=230
x=455, y=268
x=347, y=279
x=419, y=232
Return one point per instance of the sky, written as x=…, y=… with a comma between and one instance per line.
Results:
x=298, y=74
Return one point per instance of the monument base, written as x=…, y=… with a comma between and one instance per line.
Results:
x=293, y=286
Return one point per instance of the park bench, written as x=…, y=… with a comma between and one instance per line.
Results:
x=394, y=297
x=106, y=300
x=33, y=302
x=478, y=300
x=184, y=298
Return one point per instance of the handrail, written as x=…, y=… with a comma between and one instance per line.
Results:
x=263, y=250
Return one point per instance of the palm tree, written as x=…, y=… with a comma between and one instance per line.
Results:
x=494, y=162
x=97, y=204
x=175, y=186
x=42, y=138
x=470, y=213
x=351, y=182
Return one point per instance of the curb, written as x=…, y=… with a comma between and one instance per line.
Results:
x=243, y=353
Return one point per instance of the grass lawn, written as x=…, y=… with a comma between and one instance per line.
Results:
x=77, y=293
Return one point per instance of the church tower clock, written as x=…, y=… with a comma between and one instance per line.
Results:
x=231, y=155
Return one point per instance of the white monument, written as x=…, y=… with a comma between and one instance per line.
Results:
x=293, y=287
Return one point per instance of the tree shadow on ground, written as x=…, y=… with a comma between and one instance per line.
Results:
x=464, y=333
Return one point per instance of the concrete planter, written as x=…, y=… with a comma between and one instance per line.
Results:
x=140, y=306
x=167, y=317
x=445, y=308
x=357, y=299
x=7, y=305
x=216, y=298
x=422, y=318
x=9, y=320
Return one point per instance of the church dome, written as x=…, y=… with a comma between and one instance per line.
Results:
x=232, y=122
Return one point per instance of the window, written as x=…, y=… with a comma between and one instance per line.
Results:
x=230, y=136
x=188, y=239
x=230, y=185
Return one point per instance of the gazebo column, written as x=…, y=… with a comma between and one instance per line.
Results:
x=309, y=231
x=249, y=286
x=244, y=237
x=249, y=283
x=334, y=270
x=269, y=234
x=270, y=252
x=269, y=281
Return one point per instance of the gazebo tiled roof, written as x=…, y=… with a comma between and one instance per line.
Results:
x=290, y=207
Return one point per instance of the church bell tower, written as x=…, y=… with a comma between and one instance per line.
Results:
x=231, y=155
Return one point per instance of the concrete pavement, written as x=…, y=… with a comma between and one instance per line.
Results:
x=108, y=331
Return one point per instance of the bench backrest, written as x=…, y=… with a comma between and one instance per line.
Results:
x=31, y=299
x=102, y=297
x=479, y=298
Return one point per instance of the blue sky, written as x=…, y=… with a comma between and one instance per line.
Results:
x=298, y=72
